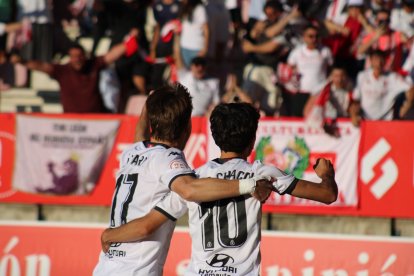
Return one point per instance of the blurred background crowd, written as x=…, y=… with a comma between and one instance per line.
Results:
x=317, y=59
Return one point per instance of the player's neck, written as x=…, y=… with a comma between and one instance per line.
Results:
x=230, y=155
x=167, y=143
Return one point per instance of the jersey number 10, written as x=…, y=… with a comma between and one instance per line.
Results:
x=216, y=216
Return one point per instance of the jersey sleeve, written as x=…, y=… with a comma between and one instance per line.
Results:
x=399, y=84
x=172, y=206
x=200, y=14
x=172, y=166
x=284, y=183
x=292, y=58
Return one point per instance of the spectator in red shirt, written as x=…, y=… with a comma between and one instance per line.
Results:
x=79, y=79
x=344, y=37
x=385, y=39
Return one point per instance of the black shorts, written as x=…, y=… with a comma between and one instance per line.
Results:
x=141, y=68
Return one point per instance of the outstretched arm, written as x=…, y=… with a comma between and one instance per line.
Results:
x=134, y=230
x=120, y=49
x=39, y=66
x=263, y=48
x=326, y=191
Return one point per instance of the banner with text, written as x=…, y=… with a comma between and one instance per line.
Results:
x=61, y=156
x=61, y=159
x=294, y=147
x=60, y=249
x=71, y=158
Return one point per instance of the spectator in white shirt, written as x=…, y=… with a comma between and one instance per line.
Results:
x=402, y=19
x=376, y=91
x=203, y=90
x=195, y=33
x=310, y=63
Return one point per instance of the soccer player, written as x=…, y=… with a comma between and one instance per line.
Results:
x=226, y=233
x=148, y=170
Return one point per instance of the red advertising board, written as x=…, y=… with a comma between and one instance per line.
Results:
x=7, y=138
x=385, y=183
x=386, y=169
x=57, y=249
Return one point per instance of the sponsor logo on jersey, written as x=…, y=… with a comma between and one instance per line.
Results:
x=293, y=159
x=178, y=164
x=220, y=265
x=116, y=253
x=220, y=260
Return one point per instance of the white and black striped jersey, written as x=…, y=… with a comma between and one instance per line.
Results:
x=226, y=233
x=145, y=175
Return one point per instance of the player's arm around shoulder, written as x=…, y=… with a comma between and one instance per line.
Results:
x=195, y=189
x=134, y=230
x=326, y=191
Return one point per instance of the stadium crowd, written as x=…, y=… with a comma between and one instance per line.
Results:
x=318, y=59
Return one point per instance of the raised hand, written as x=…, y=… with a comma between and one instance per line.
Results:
x=324, y=168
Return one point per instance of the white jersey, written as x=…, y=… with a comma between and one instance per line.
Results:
x=145, y=175
x=225, y=233
x=377, y=95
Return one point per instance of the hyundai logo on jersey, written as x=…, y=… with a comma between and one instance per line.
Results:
x=220, y=260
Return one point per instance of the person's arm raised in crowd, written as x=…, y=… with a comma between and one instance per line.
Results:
x=257, y=29
x=129, y=46
x=263, y=48
x=154, y=41
x=39, y=66
x=326, y=191
x=177, y=52
x=334, y=28
x=278, y=27
x=367, y=43
x=10, y=27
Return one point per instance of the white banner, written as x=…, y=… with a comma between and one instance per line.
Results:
x=61, y=156
x=293, y=147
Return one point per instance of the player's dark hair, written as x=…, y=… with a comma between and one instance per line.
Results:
x=233, y=126
x=169, y=112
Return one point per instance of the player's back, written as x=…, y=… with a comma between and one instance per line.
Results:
x=225, y=233
x=144, y=177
